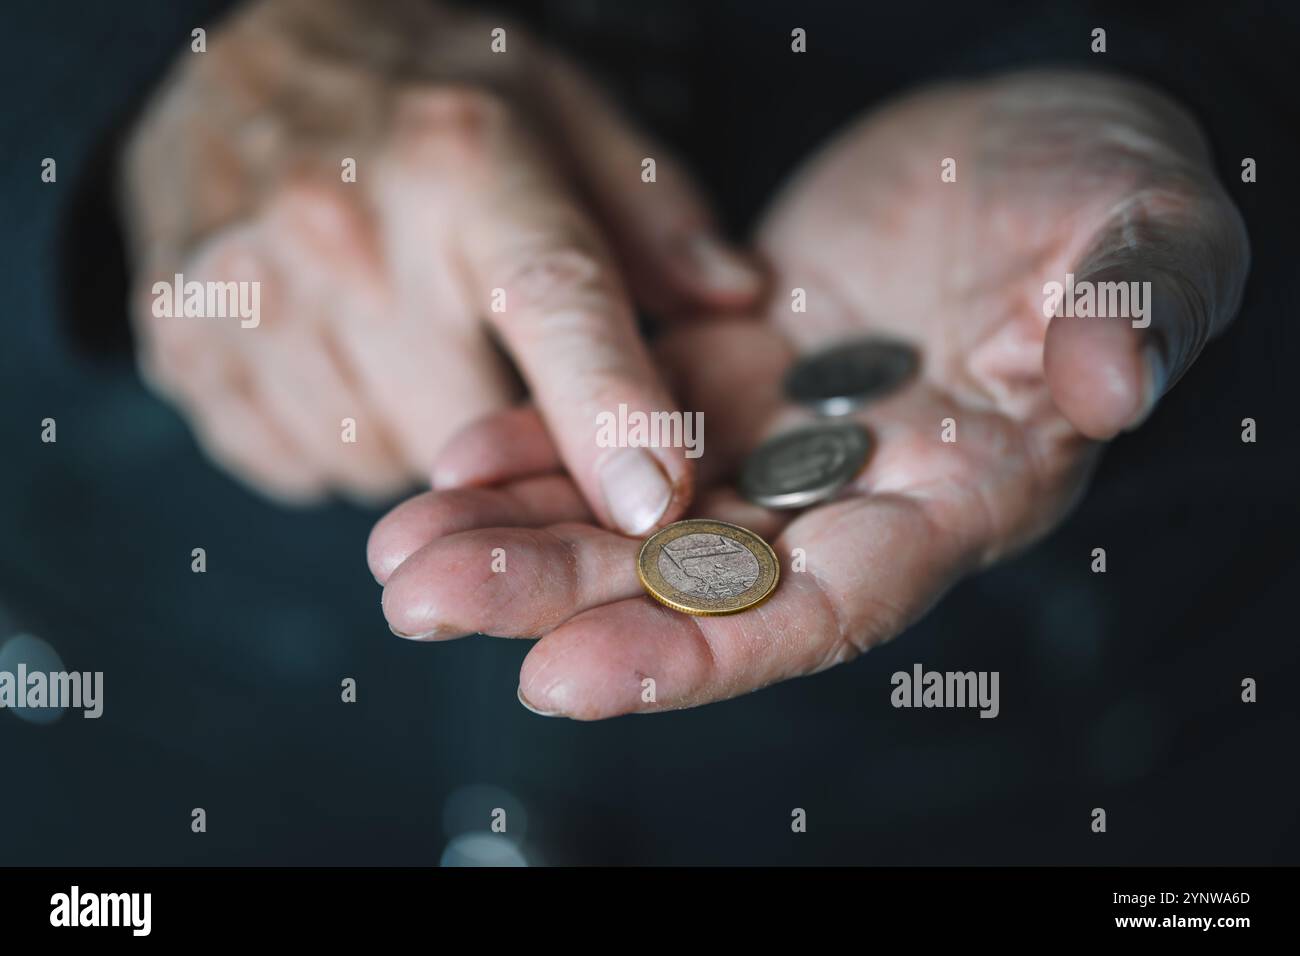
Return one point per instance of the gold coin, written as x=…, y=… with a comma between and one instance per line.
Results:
x=707, y=567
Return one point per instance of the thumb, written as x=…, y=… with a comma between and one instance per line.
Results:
x=1141, y=307
x=672, y=253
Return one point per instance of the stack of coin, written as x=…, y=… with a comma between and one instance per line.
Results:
x=803, y=467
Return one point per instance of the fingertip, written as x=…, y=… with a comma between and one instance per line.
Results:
x=311, y=493
x=644, y=488
x=509, y=582
x=682, y=482
x=395, y=537
x=602, y=663
x=412, y=606
x=1100, y=375
x=418, y=521
x=717, y=274
x=636, y=489
x=529, y=707
x=583, y=671
x=456, y=471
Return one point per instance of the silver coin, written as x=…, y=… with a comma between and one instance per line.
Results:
x=708, y=565
x=836, y=380
x=802, y=467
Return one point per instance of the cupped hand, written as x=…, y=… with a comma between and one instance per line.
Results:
x=1055, y=174
x=408, y=199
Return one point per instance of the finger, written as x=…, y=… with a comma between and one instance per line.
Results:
x=204, y=369
x=420, y=371
x=238, y=433
x=515, y=443
x=318, y=248
x=300, y=381
x=563, y=315
x=180, y=357
x=428, y=385
x=505, y=446
x=511, y=582
x=425, y=518
x=1181, y=263
x=870, y=570
x=662, y=229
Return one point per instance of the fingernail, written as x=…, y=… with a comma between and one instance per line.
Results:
x=437, y=632
x=527, y=706
x=719, y=267
x=636, y=490
x=444, y=478
x=1156, y=377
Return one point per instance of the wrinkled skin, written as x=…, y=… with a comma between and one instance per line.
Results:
x=475, y=171
x=1055, y=173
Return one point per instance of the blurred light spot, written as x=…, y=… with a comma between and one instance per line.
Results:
x=38, y=656
x=469, y=810
x=482, y=849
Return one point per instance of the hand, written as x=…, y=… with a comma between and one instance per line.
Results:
x=1056, y=174
x=475, y=171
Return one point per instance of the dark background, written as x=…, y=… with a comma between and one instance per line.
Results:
x=1119, y=690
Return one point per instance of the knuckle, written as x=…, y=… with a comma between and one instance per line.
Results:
x=598, y=382
x=549, y=278
x=466, y=105
x=452, y=122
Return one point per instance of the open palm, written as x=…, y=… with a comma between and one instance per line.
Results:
x=983, y=453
